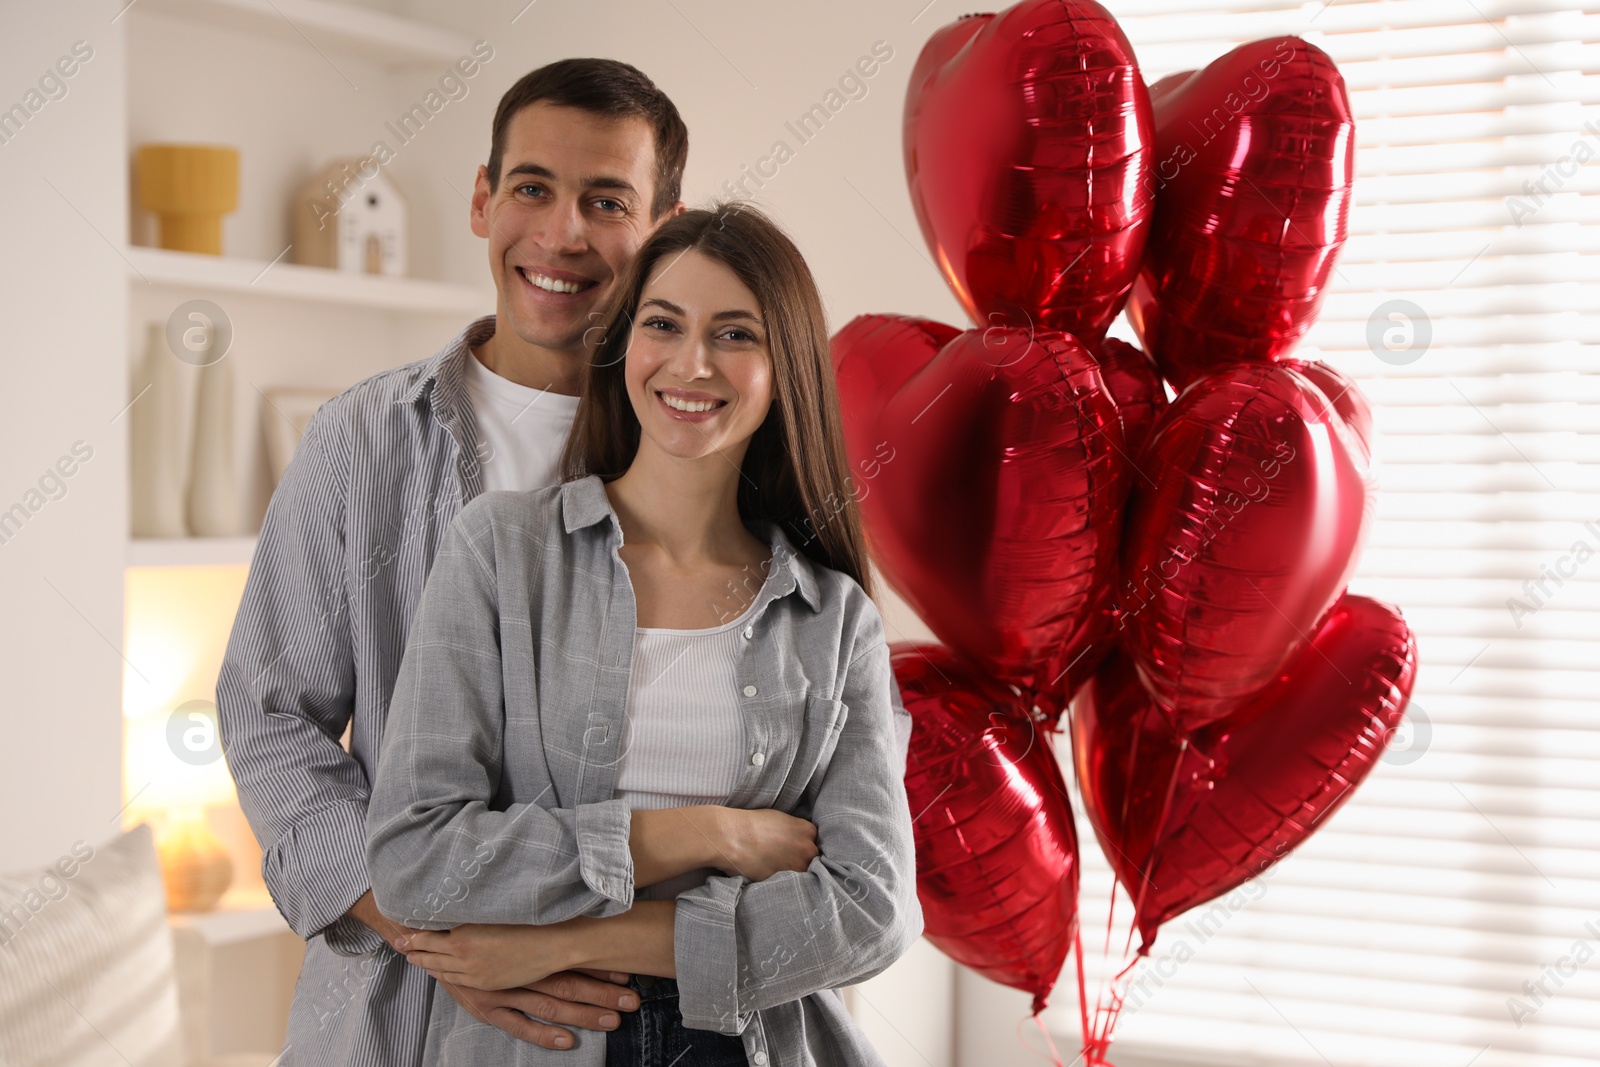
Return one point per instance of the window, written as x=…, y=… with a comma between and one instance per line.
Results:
x=1449, y=914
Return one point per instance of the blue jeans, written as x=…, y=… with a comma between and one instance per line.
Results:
x=654, y=1035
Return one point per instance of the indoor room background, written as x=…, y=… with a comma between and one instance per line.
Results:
x=1447, y=915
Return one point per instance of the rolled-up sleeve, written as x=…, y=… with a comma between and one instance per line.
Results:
x=438, y=852
x=742, y=946
x=286, y=691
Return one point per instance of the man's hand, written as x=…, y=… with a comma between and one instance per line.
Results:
x=585, y=999
x=365, y=911
x=568, y=997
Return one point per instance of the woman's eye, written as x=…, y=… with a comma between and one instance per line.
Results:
x=742, y=336
x=662, y=323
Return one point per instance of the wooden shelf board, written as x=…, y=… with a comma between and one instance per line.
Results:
x=189, y=270
x=190, y=551
x=384, y=38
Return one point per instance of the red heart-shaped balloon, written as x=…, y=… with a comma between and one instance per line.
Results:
x=1140, y=397
x=1255, y=156
x=1136, y=387
x=997, y=849
x=1243, y=531
x=997, y=481
x=1027, y=149
x=1183, y=820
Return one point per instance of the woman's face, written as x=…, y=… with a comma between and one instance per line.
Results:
x=698, y=342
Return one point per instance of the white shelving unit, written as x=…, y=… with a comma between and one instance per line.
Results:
x=292, y=84
x=188, y=270
x=293, y=67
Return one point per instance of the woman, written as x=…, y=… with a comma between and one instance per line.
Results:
x=643, y=722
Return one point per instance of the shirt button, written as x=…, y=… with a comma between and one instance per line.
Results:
x=758, y=758
x=749, y=690
x=759, y=1059
x=749, y=631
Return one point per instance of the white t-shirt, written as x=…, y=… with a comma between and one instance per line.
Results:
x=521, y=431
x=685, y=739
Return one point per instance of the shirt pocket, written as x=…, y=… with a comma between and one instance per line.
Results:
x=819, y=735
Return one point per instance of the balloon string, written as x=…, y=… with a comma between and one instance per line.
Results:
x=1113, y=995
x=1085, y=1032
x=1109, y=999
x=1155, y=846
x=1055, y=1056
x=1116, y=990
x=1100, y=1006
x=1095, y=1031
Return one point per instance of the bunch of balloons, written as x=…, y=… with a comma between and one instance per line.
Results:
x=1174, y=571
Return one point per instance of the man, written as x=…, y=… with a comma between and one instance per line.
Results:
x=586, y=160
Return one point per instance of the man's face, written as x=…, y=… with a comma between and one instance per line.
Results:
x=571, y=209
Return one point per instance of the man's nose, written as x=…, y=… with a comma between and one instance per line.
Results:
x=565, y=228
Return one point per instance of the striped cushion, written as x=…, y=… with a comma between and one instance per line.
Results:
x=86, y=972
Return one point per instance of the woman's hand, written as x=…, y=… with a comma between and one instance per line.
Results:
x=760, y=843
x=757, y=844
x=480, y=956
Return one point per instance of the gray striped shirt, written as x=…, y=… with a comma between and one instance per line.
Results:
x=338, y=572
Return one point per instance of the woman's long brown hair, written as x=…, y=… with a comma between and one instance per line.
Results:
x=795, y=471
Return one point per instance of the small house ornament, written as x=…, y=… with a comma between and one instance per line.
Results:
x=350, y=216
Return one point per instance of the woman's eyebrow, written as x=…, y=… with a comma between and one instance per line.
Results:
x=733, y=313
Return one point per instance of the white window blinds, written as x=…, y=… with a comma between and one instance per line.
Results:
x=1449, y=914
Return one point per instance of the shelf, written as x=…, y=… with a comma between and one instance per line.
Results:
x=234, y=921
x=190, y=551
x=190, y=270
x=383, y=38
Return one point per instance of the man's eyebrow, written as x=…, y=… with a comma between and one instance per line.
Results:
x=593, y=181
x=734, y=313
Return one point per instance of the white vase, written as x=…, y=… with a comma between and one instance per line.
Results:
x=213, y=500
x=155, y=454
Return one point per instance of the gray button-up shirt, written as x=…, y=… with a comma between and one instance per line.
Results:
x=338, y=571
x=495, y=801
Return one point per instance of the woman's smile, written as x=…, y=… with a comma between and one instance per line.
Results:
x=689, y=410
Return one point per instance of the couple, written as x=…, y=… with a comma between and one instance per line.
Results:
x=594, y=578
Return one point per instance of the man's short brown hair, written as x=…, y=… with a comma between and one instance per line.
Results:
x=608, y=88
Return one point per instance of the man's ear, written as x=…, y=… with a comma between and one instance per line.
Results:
x=480, y=202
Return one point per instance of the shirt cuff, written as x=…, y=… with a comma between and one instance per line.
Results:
x=318, y=872
x=352, y=937
x=705, y=952
x=902, y=722
x=604, y=859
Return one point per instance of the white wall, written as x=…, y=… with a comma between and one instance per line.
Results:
x=62, y=302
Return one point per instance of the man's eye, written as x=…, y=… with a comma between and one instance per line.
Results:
x=530, y=190
x=607, y=204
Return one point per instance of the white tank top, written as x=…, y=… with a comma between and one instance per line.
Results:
x=684, y=743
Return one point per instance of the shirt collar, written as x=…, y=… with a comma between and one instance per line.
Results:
x=584, y=502
x=442, y=378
